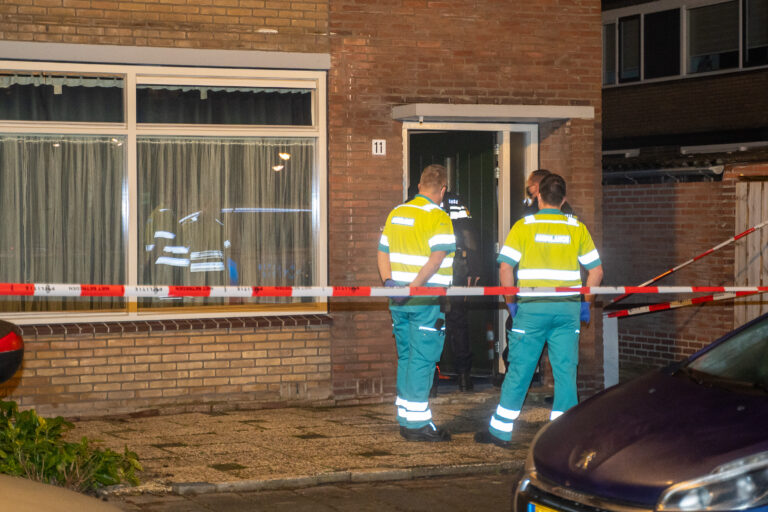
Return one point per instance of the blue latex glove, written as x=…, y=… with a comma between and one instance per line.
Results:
x=585, y=315
x=390, y=283
x=234, y=277
x=512, y=307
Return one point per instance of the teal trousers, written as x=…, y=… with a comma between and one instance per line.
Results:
x=419, y=329
x=536, y=323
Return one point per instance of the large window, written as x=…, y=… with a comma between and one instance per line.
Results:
x=206, y=181
x=224, y=211
x=713, y=37
x=629, y=49
x=698, y=36
x=756, y=33
x=661, y=44
x=63, y=221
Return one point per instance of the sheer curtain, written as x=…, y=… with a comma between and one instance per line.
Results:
x=223, y=211
x=63, y=220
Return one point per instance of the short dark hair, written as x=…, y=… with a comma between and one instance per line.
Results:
x=434, y=177
x=552, y=189
x=539, y=174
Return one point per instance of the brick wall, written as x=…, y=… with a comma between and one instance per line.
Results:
x=102, y=369
x=649, y=229
x=419, y=51
x=84, y=369
x=213, y=24
x=729, y=102
x=383, y=54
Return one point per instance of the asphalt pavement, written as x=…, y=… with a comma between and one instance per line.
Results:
x=481, y=492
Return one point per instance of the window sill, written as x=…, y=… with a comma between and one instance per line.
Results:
x=165, y=314
x=687, y=76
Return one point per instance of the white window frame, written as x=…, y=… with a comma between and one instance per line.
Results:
x=503, y=131
x=615, y=53
x=613, y=16
x=142, y=74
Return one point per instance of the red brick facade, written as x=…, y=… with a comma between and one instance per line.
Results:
x=729, y=102
x=198, y=365
x=211, y=24
x=649, y=229
x=382, y=54
x=398, y=52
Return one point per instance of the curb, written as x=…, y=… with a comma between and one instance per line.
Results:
x=196, y=488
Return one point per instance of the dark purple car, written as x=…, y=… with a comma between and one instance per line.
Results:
x=693, y=436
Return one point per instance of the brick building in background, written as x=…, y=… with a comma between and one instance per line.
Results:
x=685, y=160
x=263, y=143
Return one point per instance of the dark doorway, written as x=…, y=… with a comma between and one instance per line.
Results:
x=471, y=160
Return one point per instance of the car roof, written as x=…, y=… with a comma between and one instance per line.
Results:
x=24, y=495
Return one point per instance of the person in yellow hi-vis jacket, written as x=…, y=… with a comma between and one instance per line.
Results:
x=547, y=248
x=416, y=249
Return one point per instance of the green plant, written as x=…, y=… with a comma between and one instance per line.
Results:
x=32, y=446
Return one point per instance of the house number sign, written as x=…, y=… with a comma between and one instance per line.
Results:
x=379, y=147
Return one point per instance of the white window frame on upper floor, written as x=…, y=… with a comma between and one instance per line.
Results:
x=137, y=74
x=614, y=15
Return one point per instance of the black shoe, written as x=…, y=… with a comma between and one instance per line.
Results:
x=485, y=437
x=465, y=382
x=429, y=433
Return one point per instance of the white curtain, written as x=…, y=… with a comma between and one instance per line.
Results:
x=63, y=220
x=222, y=211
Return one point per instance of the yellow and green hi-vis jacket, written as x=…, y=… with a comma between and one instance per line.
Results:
x=413, y=231
x=548, y=247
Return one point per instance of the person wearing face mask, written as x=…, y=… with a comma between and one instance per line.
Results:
x=547, y=249
x=530, y=207
x=531, y=203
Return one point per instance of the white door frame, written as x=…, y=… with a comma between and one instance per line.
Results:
x=504, y=131
x=530, y=163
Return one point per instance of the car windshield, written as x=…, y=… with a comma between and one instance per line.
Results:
x=741, y=359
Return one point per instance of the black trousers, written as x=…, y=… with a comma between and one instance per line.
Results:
x=457, y=334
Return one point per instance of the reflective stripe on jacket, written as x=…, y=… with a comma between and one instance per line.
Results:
x=414, y=231
x=548, y=247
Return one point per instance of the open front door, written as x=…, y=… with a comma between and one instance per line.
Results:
x=470, y=158
x=487, y=165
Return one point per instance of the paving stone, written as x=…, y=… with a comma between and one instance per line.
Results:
x=258, y=450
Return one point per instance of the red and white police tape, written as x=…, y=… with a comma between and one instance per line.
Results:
x=107, y=290
x=663, y=306
x=697, y=258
